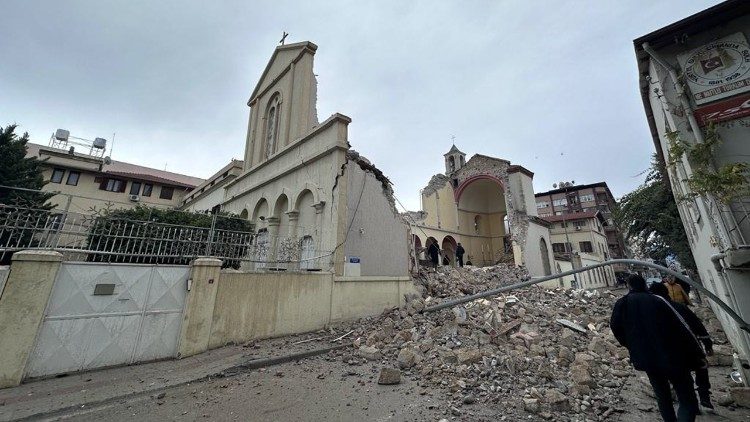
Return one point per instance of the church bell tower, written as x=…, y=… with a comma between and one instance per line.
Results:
x=454, y=160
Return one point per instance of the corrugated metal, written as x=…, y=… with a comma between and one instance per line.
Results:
x=140, y=321
x=4, y=272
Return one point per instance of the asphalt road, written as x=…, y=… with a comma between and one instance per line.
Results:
x=311, y=390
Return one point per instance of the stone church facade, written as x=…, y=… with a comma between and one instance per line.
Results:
x=316, y=204
x=487, y=204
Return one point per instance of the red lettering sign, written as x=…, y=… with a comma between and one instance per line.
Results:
x=721, y=111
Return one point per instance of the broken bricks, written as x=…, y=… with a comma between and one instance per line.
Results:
x=500, y=349
x=389, y=376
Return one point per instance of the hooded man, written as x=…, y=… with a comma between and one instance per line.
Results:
x=661, y=344
x=700, y=332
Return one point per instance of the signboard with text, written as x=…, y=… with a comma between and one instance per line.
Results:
x=733, y=108
x=717, y=70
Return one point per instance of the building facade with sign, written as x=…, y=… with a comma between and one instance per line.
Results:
x=695, y=85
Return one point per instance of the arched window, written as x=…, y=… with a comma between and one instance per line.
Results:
x=452, y=163
x=477, y=223
x=273, y=111
x=307, y=253
x=261, y=248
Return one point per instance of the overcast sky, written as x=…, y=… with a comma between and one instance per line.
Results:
x=550, y=85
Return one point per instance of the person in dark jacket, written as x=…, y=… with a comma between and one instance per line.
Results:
x=662, y=345
x=699, y=330
x=434, y=254
x=460, y=251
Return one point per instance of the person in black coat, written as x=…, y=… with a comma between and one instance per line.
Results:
x=662, y=345
x=460, y=251
x=434, y=254
x=696, y=326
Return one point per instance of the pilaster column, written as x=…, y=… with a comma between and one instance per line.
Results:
x=319, y=207
x=22, y=306
x=273, y=233
x=293, y=221
x=195, y=333
x=293, y=234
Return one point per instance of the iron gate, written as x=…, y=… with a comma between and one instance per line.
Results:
x=109, y=314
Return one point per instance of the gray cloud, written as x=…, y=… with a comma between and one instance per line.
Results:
x=550, y=85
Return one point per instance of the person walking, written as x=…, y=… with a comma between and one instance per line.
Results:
x=702, y=381
x=676, y=292
x=660, y=344
x=460, y=251
x=434, y=254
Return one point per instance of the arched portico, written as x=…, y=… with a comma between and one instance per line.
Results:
x=449, y=250
x=481, y=214
x=417, y=246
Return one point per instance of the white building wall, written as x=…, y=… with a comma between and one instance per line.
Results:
x=376, y=233
x=208, y=201
x=532, y=250
x=707, y=227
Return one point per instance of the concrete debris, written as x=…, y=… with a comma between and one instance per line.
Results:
x=574, y=326
x=548, y=352
x=389, y=376
x=369, y=352
x=740, y=396
x=532, y=351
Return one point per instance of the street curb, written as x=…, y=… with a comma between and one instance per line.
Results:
x=224, y=373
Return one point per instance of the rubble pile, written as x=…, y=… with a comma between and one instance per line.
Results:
x=534, y=352
x=449, y=282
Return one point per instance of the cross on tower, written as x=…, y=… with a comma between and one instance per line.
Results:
x=283, y=37
x=453, y=139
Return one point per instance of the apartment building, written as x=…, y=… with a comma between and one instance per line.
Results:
x=88, y=182
x=694, y=78
x=580, y=240
x=576, y=199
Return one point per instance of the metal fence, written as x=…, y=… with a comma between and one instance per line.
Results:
x=102, y=238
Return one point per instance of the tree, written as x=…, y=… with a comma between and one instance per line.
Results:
x=20, y=171
x=164, y=236
x=651, y=221
x=22, y=213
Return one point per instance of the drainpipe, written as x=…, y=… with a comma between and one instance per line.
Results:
x=716, y=260
x=679, y=89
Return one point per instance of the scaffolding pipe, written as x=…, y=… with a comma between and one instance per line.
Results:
x=494, y=292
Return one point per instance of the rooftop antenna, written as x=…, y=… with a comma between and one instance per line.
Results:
x=283, y=37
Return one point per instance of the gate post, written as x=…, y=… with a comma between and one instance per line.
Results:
x=22, y=306
x=199, y=306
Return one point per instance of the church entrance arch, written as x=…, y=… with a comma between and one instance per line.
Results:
x=449, y=250
x=481, y=213
x=429, y=242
